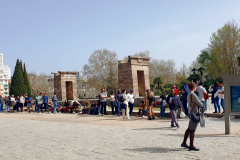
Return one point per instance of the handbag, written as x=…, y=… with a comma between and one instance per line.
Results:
x=182, y=114
x=194, y=117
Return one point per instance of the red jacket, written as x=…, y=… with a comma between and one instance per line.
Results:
x=206, y=96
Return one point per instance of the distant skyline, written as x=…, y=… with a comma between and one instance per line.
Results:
x=51, y=36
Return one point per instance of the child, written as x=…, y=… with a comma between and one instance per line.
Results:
x=142, y=108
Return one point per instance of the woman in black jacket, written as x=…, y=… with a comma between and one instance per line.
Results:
x=174, y=106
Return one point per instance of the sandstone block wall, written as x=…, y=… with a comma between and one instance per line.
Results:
x=134, y=74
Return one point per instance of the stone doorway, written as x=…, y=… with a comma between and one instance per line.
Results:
x=141, y=83
x=69, y=89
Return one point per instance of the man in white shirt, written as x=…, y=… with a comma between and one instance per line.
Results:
x=201, y=92
x=222, y=99
x=130, y=98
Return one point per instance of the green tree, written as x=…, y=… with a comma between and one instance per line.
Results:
x=194, y=70
x=26, y=81
x=17, y=85
x=200, y=70
x=194, y=77
x=158, y=81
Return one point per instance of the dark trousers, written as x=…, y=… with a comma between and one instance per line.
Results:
x=130, y=107
x=103, y=106
x=185, y=106
x=113, y=105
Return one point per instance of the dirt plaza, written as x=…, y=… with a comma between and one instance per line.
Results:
x=67, y=136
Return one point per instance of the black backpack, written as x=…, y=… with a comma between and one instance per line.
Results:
x=121, y=98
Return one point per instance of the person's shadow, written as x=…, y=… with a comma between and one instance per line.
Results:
x=155, y=149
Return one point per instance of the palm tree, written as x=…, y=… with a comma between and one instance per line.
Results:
x=200, y=70
x=194, y=70
x=158, y=81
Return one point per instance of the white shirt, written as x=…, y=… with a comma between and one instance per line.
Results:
x=130, y=98
x=21, y=100
x=112, y=96
x=222, y=89
x=12, y=99
x=201, y=91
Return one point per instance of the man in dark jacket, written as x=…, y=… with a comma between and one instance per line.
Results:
x=174, y=106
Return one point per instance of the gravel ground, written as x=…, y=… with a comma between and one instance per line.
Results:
x=65, y=136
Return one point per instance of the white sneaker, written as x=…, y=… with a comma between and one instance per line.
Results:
x=143, y=116
x=50, y=112
x=73, y=112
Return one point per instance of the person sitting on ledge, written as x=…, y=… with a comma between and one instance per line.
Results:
x=142, y=108
x=75, y=106
x=93, y=109
x=66, y=106
x=86, y=107
x=50, y=107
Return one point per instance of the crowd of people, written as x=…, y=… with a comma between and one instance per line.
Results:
x=193, y=99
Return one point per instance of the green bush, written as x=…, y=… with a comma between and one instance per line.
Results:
x=158, y=92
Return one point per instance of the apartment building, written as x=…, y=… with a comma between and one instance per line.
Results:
x=5, y=76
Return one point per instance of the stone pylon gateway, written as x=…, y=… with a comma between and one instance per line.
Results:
x=134, y=74
x=65, y=85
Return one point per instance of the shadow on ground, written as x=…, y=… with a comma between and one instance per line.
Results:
x=155, y=150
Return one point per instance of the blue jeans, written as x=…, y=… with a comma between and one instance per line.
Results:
x=7, y=108
x=216, y=104
x=185, y=106
x=1, y=107
x=130, y=107
x=103, y=107
x=39, y=106
x=36, y=106
x=117, y=109
x=112, y=105
x=142, y=111
x=162, y=113
x=46, y=106
x=203, y=102
x=55, y=106
x=222, y=104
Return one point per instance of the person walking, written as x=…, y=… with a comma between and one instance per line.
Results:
x=194, y=105
x=130, y=97
x=54, y=100
x=215, y=100
x=1, y=103
x=117, y=98
x=201, y=92
x=222, y=98
x=103, y=96
x=45, y=101
x=163, y=105
x=113, y=103
x=21, y=102
x=125, y=110
x=174, y=106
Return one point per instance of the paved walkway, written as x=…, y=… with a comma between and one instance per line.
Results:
x=65, y=136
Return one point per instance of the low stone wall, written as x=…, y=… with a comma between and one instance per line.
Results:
x=137, y=102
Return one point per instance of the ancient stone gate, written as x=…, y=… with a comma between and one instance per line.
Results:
x=65, y=85
x=134, y=74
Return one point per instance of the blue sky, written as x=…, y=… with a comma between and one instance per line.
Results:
x=53, y=35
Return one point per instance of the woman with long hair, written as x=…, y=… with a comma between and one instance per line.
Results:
x=194, y=105
x=151, y=99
